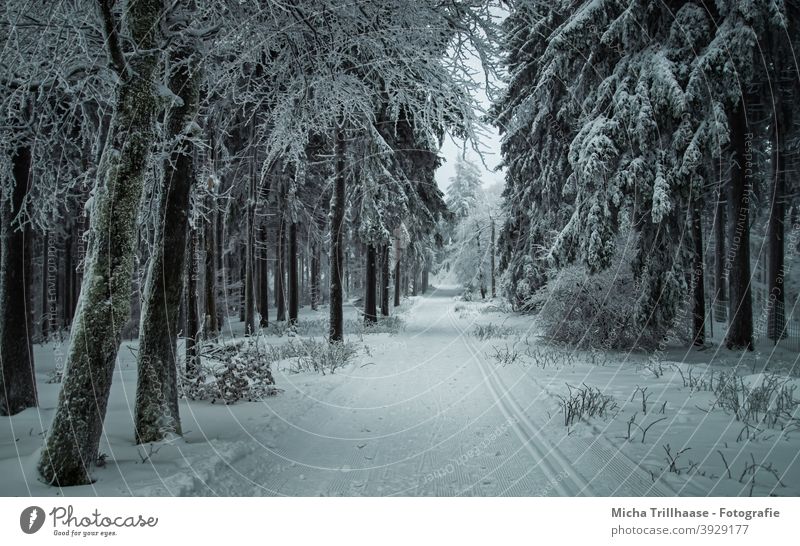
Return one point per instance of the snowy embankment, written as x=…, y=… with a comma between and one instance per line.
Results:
x=215, y=436
x=464, y=399
x=703, y=422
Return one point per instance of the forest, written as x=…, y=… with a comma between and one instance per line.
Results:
x=211, y=204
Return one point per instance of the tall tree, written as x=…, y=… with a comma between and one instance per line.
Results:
x=698, y=276
x=170, y=422
x=157, y=413
x=17, y=380
x=337, y=226
x=210, y=321
x=385, y=280
x=73, y=438
x=280, y=268
x=250, y=257
x=370, y=285
x=294, y=295
x=720, y=281
x=263, y=305
x=740, y=304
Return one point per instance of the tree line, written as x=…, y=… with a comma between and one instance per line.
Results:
x=164, y=154
x=653, y=141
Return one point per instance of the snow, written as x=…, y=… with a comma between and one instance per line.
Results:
x=430, y=411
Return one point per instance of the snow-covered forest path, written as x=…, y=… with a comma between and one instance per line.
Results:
x=428, y=417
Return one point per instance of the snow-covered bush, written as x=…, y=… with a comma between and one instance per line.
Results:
x=231, y=372
x=594, y=310
x=315, y=355
x=384, y=325
x=491, y=330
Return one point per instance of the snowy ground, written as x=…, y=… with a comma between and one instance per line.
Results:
x=436, y=410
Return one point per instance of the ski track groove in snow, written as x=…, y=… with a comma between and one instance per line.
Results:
x=574, y=483
x=618, y=468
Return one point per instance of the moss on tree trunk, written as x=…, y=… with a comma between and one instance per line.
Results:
x=73, y=438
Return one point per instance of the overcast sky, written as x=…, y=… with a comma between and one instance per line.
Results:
x=490, y=150
x=490, y=139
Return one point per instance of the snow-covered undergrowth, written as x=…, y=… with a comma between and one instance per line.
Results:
x=247, y=388
x=230, y=372
x=434, y=409
x=707, y=421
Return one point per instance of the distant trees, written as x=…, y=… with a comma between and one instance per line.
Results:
x=464, y=192
x=470, y=254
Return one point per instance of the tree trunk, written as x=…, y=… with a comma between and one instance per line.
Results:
x=69, y=274
x=45, y=319
x=74, y=436
x=492, y=264
x=314, y=277
x=698, y=276
x=336, y=326
x=17, y=379
x=740, y=312
x=156, y=412
x=249, y=281
x=776, y=315
x=264, y=296
x=242, y=275
x=415, y=278
x=397, y=280
x=294, y=294
x=211, y=326
x=481, y=277
x=192, y=318
x=385, y=281
x=303, y=273
x=370, y=309
x=720, y=296
x=280, y=270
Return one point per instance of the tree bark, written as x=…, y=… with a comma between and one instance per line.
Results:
x=415, y=278
x=157, y=411
x=294, y=294
x=45, y=317
x=242, y=275
x=740, y=311
x=720, y=296
x=776, y=315
x=371, y=285
x=249, y=281
x=211, y=322
x=492, y=264
x=280, y=270
x=336, y=326
x=397, y=280
x=69, y=275
x=314, y=277
x=698, y=276
x=17, y=379
x=73, y=438
x=264, y=296
x=192, y=318
x=385, y=281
